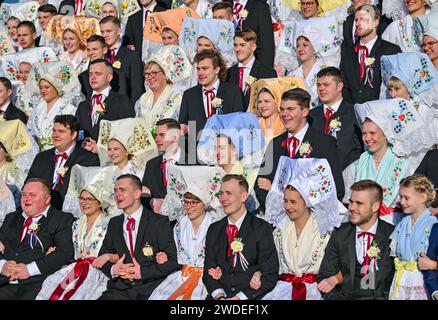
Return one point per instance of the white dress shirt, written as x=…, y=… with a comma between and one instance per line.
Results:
x=4, y=107
x=94, y=114
x=204, y=97
x=61, y=161
x=137, y=216
x=246, y=71
x=300, y=136
x=369, y=46
x=335, y=106
x=362, y=242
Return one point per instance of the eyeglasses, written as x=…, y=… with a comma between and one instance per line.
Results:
x=186, y=203
x=428, y=44
x=307, y=4
x=86, y=200
x=152, y=74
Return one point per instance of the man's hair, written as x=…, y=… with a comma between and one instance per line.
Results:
x=330, y=72
x=135, y=181
x=216, y=59
x=105, y=62
x=111, y=19
x=48, y=8
x=365, y=185
x=6, y=82
x=247, y=35
x=169, y=122
x=97, y=38
x=69, y=121
x=222, y=5
x=27, y=24
x=44, y=183
x=240, y=179
x=301, y=96
x=370, y=9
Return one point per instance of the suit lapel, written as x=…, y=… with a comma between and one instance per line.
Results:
x=142, y=227
x=20, y=222
x=255, y=69
x=201, y=113
x=381, y=241
x=376, y=47
x=351, y=248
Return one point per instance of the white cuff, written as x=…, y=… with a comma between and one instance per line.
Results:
x=218, y=291
x=33, y=270
x=112, y=273
x=241, y=296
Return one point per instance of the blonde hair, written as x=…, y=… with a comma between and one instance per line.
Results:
x=421, y=184
x=395, y=83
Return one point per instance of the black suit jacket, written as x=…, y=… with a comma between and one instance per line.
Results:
x=192, y=104
x=117, y=106
x=131, y=72
x=259, y=20
x=429, y=168
x=13, y=113
x=348, y=29
x=134, y=28
x=258, y=71
x=340, y=255
x=55, y=230
x=43, y=167
x=323, y=146
x=259, y=250
x=355, y=91
x=154, y=230
x=349, y=138
x=118, y=84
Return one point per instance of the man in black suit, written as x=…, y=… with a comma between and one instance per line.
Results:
x=347, y=250
x=336, y=117
x=135, y=25
x=429, y=168
x=103, y=103
x=54, y=165
x=7, y=109
x=245, y=44
x=154, y=181
x=27, y=235
x=96, y=49
x=225, y=276
x=360, y=64
x=136, y=236
x=45, y=13
x=351, y=37
x=127, y=61
x=198, y=103
x=299, y=141
x=257, y=18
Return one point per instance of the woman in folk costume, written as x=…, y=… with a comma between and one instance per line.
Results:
x=234, y=142
x=164, y=28
x=411, y=238
x=426, y=31
x=397, y=138
x=82, y=280
x=126, y=144
x=164, y=73
x=121, y=9
x=401, y=31
x=317, y=44
x=302, y=204
x=16, y=67
x=191, y=191
x=72, y=32
x=265, y=102
x=58, y=86
x=7, y=203
x=413, y=77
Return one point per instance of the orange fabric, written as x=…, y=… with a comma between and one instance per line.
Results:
x=186, y=289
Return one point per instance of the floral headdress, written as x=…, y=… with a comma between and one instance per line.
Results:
x=22, y=11
x=174, y=62
x=15, y=137
x=396, y=9
x=314, y=181
x=132, y=134
x=125, y=8
x=83, y=27
x=6, y=46
x=426, y=25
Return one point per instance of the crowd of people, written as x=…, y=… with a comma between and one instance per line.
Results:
x=219, y=150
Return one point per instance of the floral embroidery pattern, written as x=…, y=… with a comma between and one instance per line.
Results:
x=178, y=65
x=388, y=191
x=11, y=70
x=324, y=185
x=105, y=129
x=19, y=142
x=215, y=183
x=189, y=33
x=64, y=75
x=141, y=139
x=423, y=73
x=403, y=117
x=226, y=35
x=176, y=186
x=4, y=48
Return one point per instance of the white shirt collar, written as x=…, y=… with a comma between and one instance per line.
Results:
x=215, y=86
x=249, y=65
x=175, y=157
x=44, y=213
x=150, y=7
x=239, y=222
x=104, y=92
x=373, y=229
x=136, y=215
x=5, y=106
x=69, y=150
x=370, y=44
x=300, y=134
x=335, y=106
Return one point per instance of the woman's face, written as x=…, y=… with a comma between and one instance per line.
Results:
x=204, y=44
x=225, y=152
x=305, y=50
x=24, y=71
x=193, y=208
x=12, y=28
x=108, y=9
x=401, y=92
x=411, y=200
x=266, y=105
x=414, y=5
x=88, y=203
x=47, y=91
x=2, y=155
x=71, y=41
x=117, y=152
x=169, y=37
x=309, y=8
x=155, y=78
x=373, y=136
x=294, y=205
x=430, y=47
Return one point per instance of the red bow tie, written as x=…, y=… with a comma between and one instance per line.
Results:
x=285, y=144
x=60, y=155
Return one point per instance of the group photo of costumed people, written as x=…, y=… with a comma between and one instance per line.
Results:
x=219, y=150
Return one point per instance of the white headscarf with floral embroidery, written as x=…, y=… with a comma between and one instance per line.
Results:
x=173, y=60
x=314, y=181
x=125, y=8
x=22, y=11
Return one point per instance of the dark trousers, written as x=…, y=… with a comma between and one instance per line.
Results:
x=18, y=292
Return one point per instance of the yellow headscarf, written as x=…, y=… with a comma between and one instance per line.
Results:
x=324, y=5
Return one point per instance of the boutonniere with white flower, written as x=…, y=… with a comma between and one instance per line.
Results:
x=244, y=14
x=33, y=238
x=374, y=254
x=101, y=109
x=250, y=80
x=335, y=126
x=237, y=248
x=60, y=173
x=216, y=104
x=369, y=61
x=369, y=71
x=147, y=250
x=305, y=149
x=117, y=64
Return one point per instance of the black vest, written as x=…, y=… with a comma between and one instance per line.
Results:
x=362, y=288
